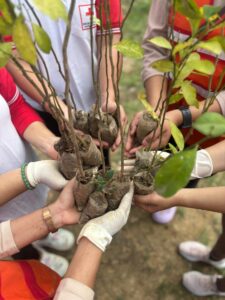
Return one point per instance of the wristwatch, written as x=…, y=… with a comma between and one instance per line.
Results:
x=187, y=117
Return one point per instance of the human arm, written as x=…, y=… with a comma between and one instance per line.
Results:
x=28, y=88
x=45, y=172
x=211, y=199
x=93, y=239
x=110, y=60
x=62, y=211
x=26, y=121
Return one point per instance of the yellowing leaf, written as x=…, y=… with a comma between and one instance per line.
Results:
x=5, y=52
x=161, y=42
x=130, y=49
x=189, y=93
x=163, y=65
x=211, y=45
x=23, y=41
x=42, y=38
x=177, y=135
x=148, y=107
x=55, y=9
x=204, y=66
x=181, y=46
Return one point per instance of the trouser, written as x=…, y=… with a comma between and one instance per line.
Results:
x=218, y=253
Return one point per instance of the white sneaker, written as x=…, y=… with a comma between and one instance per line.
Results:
x=195, y=251
x=62, y=240
x=55, y=262
x=164, y=216
x=201, y=285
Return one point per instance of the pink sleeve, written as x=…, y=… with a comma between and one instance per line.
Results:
x=221, y=99
x=114, y=21
x=73, y=290
x=7, y=243
x=157, y=26
x=22, y=114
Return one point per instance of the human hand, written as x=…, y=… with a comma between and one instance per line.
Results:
x=63, y=210
x=203, y=165
x=46, y=172
x=100, y=230
x=154, y=202
x=49, y=148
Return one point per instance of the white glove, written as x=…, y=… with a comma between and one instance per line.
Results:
x=129, y=163
x=100, y=230
x=203, y=165
x=46, y=172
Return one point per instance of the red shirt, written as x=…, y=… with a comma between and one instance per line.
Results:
x=22, y=114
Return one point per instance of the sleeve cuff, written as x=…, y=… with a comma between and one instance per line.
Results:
x=72, y=289
x=96, y=234
x=7, y=243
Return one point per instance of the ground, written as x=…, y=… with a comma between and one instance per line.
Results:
x=142, y=260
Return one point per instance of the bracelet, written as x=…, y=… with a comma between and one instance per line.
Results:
x=47, y=218
x=187, y=117
x=24, y=177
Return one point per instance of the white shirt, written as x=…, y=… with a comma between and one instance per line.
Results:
x=13, y=153
x=79, y=54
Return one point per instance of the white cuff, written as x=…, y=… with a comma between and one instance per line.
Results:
x=72, y=289
x=96, y=234
x=7, y=243
x=203, y=165
x=29, y=174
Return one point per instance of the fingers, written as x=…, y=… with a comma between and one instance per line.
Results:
x=143, y=199
x=148, y=208
x=117, y=142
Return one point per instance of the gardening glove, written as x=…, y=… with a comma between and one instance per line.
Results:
x=100, y=230
x=203, y=165
x=129, y=163
x=46, y=172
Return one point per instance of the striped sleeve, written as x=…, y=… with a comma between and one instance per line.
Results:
x=22, y=114
x=110, y=14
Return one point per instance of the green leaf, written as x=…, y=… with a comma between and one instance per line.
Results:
x=175, y=172
x=182, y=46
x=6, y=9
x=209, y=11
x=211, y=45
x=188, y=8
x=173, y=149
x=175, y=98
x=163, y=65
x=53, y=9
x=5, y=52
x=210, y=124
x=195, y=23
x=189, y=93
x=147, y=105
x=184, y=73
x=161, y=42
x=42, y=38
x=130, y=49
x=177, y=135
x=204, y=66
x=23, y=41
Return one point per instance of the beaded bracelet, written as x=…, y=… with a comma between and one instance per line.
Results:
x=24, y=177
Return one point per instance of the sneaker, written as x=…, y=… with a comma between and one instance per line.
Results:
x=195, y=251
x=201, y=285
x=164, y=216
x=62, y=240
x=55, y=262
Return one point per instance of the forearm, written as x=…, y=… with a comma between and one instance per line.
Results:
x=211, y=198
x=37, y=94
x=177, y=118
x=11, y=185
x=216, y=153
x=40, y=137
x=85, y=263
x=156, y=90
x=110, y=67
x=36, y=224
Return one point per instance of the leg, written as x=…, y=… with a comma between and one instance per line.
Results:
x=218, y=251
